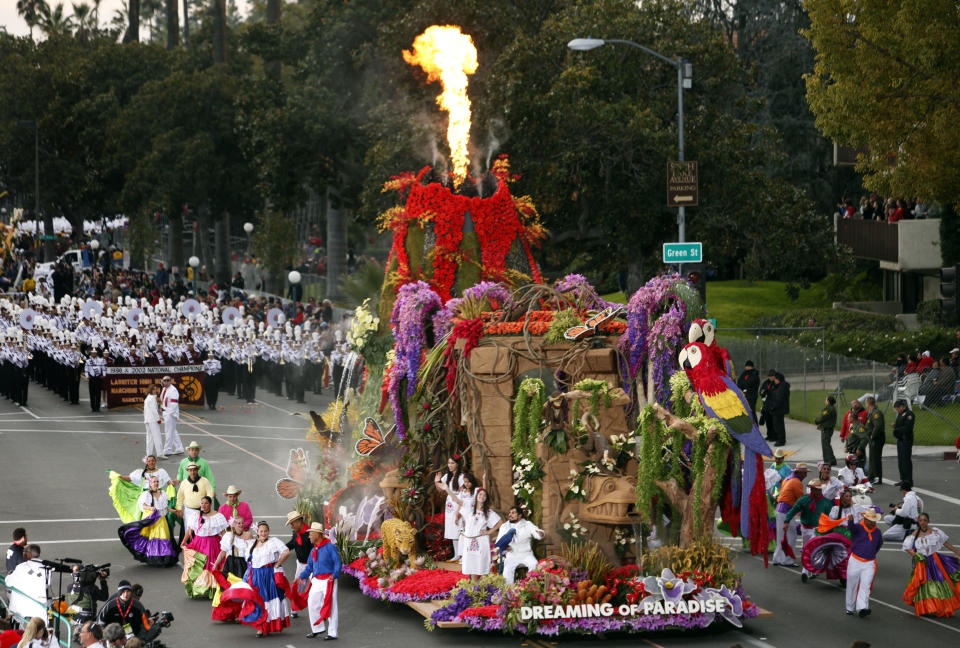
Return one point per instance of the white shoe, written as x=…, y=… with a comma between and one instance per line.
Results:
x=161, y=456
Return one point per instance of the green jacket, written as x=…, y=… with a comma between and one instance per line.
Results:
x=807, y=517
x=827, y=419
x=875, y=426
x=858, y=438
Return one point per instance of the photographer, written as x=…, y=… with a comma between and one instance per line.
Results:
x=125, y=609
x=89, y=587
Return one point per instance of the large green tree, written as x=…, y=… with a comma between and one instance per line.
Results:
x=591, y=132
x=886, y=78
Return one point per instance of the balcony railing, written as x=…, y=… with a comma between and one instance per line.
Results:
x=909, y=244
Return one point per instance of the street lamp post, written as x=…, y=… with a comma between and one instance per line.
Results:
x=48, y=248
x=684, y=80
x=248, y=228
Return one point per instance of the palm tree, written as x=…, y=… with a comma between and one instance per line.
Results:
x=30, y=11
x=82, y=16
x=133, y=31
x=54, y=21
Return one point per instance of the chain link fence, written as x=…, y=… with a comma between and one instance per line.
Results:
x=815, y=373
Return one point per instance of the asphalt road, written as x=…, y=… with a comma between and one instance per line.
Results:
x=53, y=458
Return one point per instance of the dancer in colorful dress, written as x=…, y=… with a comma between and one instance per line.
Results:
x=200, y=549
x=450, y=481
x=125, y=490
x=323, y=571
x=264, y=588
x=149, y=539
x=479, y=523
x=810, y=507
x=935, y=585
x=790, y=491
x=229, y=568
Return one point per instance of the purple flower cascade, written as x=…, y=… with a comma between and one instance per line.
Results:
x=584, y=293
x=655, y=327
x=415, y=302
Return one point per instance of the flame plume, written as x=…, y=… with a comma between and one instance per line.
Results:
x=448, y=55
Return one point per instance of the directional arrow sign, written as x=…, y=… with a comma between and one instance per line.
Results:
x=683, y=252
x=682, y=184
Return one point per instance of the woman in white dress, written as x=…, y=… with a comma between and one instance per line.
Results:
x=201, y=547
x=149, y=539
x=935, y=585
x=451, y=481
x=264, y=587
x=479, y=523
x=463, y=499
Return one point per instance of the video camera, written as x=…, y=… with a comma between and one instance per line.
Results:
x=87, y=575
x=158, y=621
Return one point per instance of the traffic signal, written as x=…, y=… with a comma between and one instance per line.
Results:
x=949, y=301
x=697, y=274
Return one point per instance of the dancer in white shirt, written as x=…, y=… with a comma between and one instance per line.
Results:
x=170, y=402
x=903, y=517
x=153, y=421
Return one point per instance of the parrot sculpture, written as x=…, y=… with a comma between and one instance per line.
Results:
x=723, y=400
x=703, y=331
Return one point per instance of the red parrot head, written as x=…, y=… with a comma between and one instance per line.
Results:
x=700, y=364
x=701, y=330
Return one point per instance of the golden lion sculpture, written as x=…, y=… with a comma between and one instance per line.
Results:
x=398, y=541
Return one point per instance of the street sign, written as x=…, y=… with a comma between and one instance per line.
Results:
x=683, y=252
x=682, y=184
x=48, y=237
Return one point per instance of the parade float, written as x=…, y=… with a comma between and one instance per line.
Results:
x=573, y=408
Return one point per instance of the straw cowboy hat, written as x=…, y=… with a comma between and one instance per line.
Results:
x=232, y=490
x=871, y=514
x=293, y=515
x=194, y=444
x=316, y=526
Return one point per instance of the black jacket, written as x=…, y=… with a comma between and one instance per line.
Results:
x=749, y=384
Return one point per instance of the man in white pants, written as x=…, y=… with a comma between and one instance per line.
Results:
x=323, y=570
x=170, y=401
x=862, y=563
x=153, y=421
x=518, y=552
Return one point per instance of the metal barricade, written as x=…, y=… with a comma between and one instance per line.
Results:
x=65, y=635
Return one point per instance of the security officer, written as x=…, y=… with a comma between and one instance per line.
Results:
x=876, y=431
x=903, y=431
x=826, y=422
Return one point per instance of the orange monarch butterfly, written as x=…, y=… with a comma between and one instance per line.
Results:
x=590, y=326
x=373, y=438
x=297, y=467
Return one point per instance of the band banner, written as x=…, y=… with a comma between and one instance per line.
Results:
x=126, y=386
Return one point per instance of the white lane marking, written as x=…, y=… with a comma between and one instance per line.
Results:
x=898, y=608
x=50, y=542
x=924, y=491
x=135, y=433
x=106, y=519
x=29, y=412
x=99, y=420
x=10, y=414
x=754, y=642
x=279, y=409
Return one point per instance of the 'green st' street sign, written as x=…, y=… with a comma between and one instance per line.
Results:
x=683, y=252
